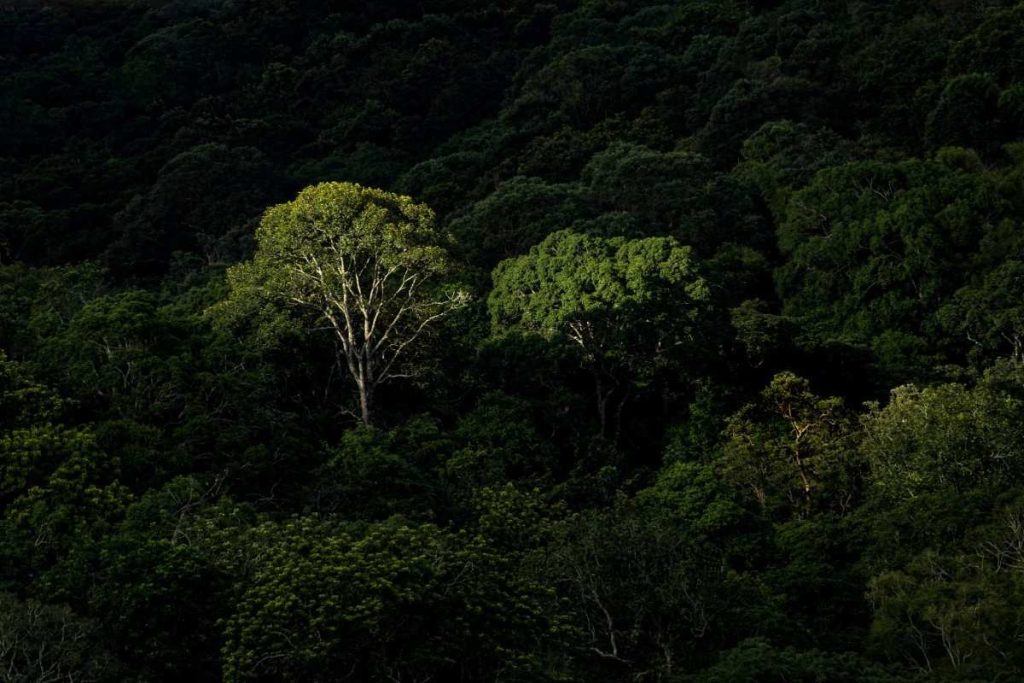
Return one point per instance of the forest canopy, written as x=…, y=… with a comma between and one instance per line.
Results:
x=581, y=340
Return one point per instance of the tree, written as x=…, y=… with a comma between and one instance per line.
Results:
x=943, y=439
x=517, y=215
x=674, y=193
x=988, y=316
x=757, y=661
x=499, y=442
x=584, y=86
x=50, y=643
x=994, y=46
x=787, y=449
x=648, y=592
x=365, y=263
x=367, y=475
x=400, y=602
x=58, y=489
x=957, y=612
x=966, y=113
x=627, y=306
x=115, y=352
x=783, y=155
x=751, y=103
x=159, y=571
x=206, y=199
x=874, y=249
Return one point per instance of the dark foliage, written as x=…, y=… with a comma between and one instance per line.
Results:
x=694, y=333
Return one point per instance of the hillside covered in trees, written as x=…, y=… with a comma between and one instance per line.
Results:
x=578, y=340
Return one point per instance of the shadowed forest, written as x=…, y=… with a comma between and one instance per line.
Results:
x=578, y=340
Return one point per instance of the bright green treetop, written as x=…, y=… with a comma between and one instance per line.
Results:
x=625, y=304
x=365, y=263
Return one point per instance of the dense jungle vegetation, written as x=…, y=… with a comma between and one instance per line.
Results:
x=572, y=340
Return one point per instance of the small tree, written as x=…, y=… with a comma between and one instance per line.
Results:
x=365, y=263
x=789, y=449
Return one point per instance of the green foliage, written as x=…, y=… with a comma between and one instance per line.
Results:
x=873, y=250
x=944, y=437
x=362, y=466
x=157, y=574
x=749, y=104
x=966, y=113
x=22, y=400
x=58, y=490
x=782, y=156
x=692, y=496
x=520, y=213
x=583, y=86
x=763, y=335
x=445, y=604
x=608, y=298
x=609, y=463
x=60, y=493
x=675, y=193
x=501, y=443
x=643, y=590
x=993, y=46
x=787, y=451
x=589, y=289
x=361, y=262
x=986, y=316
x=36, y=303
x=757, y=661
x=206, y=199
x=40, y=642
x=954, y=612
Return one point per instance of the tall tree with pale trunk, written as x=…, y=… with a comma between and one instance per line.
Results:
x=367, y=265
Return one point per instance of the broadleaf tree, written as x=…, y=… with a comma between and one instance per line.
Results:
x=367, y=265
x=627, y=306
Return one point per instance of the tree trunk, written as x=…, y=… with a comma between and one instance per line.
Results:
x=602, y=402
x=366, y=403
x=365, y=387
